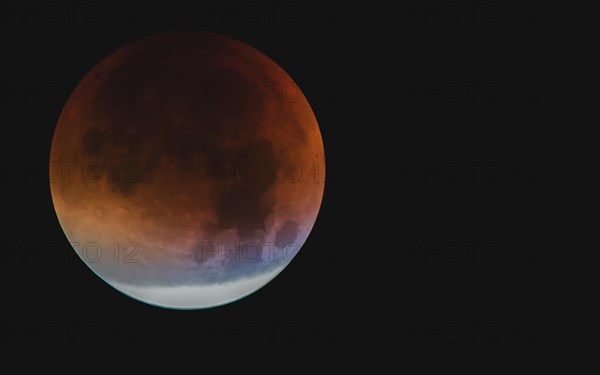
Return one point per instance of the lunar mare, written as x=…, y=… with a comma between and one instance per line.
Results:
x=187, y=169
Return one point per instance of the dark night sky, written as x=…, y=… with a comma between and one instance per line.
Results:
x=428, y=254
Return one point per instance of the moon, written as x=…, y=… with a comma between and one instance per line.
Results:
x=187, y=169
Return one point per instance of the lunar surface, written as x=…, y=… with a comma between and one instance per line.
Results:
x=187, y=169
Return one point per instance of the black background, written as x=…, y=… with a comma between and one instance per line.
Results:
x=428, y=254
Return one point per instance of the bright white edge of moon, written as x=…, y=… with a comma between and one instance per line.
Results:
x=197, y=296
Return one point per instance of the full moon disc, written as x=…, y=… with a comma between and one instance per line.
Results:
x=187, y=169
